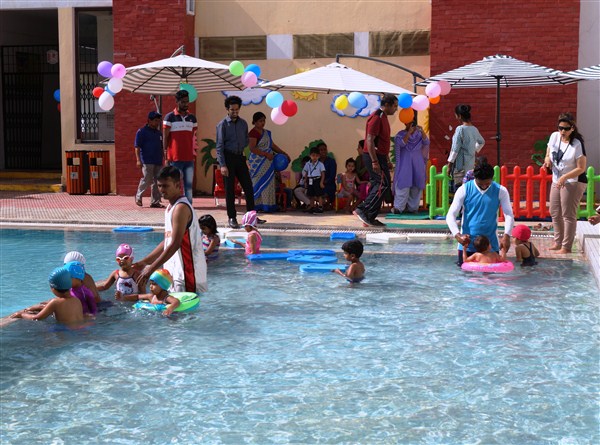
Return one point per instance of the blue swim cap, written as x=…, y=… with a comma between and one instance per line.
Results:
x=60, y=279
x=76, y=269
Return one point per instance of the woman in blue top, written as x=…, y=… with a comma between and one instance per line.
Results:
x=466, y=142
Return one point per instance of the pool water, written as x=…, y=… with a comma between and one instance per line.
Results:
x=419, y=353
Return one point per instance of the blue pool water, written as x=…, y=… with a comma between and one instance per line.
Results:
x=419, y=353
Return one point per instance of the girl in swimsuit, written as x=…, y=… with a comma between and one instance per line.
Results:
x=524, y=249
x=210, y=237
x=254, y=239
x=125, y=277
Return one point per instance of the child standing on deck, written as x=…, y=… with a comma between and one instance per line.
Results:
x=524, y=249
x=314, y=181
x=484, y=253
x=126, y=276
x=254, y=239
x=160, y=282
x=210, y=237
x=79, y=290
x=353, y=250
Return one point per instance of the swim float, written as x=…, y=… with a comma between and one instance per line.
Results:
x=312, y=259
x=188, y=302
x=503, y=267
x=322, y=268
x=268, y=256
x=135, y=229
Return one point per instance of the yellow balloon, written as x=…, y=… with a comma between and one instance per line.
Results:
x=341, y=103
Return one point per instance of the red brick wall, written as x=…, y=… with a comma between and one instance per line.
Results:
x=537, y=31
x=144, y=31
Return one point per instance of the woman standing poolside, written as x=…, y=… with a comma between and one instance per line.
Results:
x=466, y=142
x=566, y=156
x=262, y=152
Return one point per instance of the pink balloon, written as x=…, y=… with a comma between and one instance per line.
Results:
x=420, y=103
x=118, y=70
x=445, y=87
x=249, y=79
x=433, y=89
x=278, y=117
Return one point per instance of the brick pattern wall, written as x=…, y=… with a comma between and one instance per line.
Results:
x=536, y=31
x=144, y=31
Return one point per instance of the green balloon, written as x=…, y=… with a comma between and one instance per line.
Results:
x=236, y=68
x=192, y=93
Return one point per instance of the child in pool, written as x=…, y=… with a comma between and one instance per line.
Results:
x=160, y=282
x=350, y=184
x=79, y=290
x=125, y=277
x=525, y=251
x=484, y=253
x=210, y=237
x=254, y=240
x=352, y=252
x=65, y=308
x=88, y=281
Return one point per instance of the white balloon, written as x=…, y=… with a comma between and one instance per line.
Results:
x=420, y=103
x=106, y=101
x=115, y=85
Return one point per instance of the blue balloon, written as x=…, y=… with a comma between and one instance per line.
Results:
x=357, y=100
x=254, y=68
x=280, y=162
x=405, y=100
x=57, y=95
x=274, y=99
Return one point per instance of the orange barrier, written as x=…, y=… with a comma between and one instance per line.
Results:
x=536, y=190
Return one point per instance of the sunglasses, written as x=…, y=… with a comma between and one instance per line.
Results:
x=122, y=258
x=564, y=128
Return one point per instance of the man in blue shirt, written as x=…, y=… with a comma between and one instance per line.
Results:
x=149, y=156
x=232, y=139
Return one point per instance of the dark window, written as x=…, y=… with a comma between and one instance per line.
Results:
x=311, y=46
x=227, y=48
x=399, y=43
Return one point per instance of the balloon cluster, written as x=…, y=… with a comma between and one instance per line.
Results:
x=56, y=96
x=281, y=109
x=114, y=73
x=408, y=104
x=250, y=74
x=192, y=93
x=351, y=103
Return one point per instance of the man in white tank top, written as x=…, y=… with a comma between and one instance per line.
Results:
x=181, y=251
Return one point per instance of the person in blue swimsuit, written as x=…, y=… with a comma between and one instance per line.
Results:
x=479, y=200
x=353, y=250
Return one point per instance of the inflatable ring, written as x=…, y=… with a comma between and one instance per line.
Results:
x=188, y=302
x=503, y=267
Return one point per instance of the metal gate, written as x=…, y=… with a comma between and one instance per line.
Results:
x=29, y=78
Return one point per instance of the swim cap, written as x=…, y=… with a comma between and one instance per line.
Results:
x=124, y=249
x=76, y=269
x=163, y=278
x=249, y=219
x=60, y=279
x=521, y=232
x=74, y=256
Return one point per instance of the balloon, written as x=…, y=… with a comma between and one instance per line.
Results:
x=434, y=100
x=253, y=67
x=405, y=100
x=289, y=108
x=106, y=101
x=107, y=90
x=97, y=92
x=236, y=68
x=341, y=102
x=433, y=89
x=56, y=95
x=357, y=100
x=445, y=87
x=280, y=162
x=115, y=85
x=278, y=117
x=406, y=115
x=274, y=99
x=118, y=70
x=104, y=68
x=420, y=103
x=192, y=93
x=350, y=111
x=249, y=79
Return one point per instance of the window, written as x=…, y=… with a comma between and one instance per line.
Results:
x=399, y=43
x=312, y=46
x=228, y=48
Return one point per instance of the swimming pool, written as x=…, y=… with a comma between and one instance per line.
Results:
x=419, y=353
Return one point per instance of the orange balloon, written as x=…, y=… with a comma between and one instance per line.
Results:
x=406, y=115
x=434, y=100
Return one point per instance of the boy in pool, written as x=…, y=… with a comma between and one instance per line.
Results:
x=160, y=282
x=525, y=251
x=352, y=252
x=65, y=308
x=484, y=253
x=126, y=276
x=79, y=290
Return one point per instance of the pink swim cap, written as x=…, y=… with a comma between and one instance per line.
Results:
x=249, y=219
x=124, y=249
x=521, y=232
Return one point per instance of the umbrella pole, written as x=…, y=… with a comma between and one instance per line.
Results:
x=498, y=136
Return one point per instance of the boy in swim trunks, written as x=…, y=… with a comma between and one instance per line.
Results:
x=524, y=249
x=484, y=253
x=352, y=252
x=65, y=308
x=126, y=276
x=160, y=282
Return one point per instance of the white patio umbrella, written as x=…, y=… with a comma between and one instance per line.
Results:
x=163, y=77
x=501, y=71
x=589, y=73
x=334, y=78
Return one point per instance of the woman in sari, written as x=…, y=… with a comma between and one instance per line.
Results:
x=262, y=152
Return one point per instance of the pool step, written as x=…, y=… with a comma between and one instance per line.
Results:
x=30, y=181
